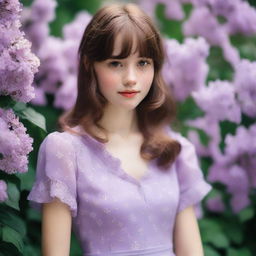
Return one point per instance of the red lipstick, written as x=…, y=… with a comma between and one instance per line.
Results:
x=128, y=94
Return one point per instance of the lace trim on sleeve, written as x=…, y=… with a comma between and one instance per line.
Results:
x=44, y=192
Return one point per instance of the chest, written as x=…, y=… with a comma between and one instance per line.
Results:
x=129, y=155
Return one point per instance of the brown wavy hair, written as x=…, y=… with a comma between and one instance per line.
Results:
x=156, y=111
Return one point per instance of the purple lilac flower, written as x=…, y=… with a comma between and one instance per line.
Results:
x=203, y=23
x=59, y=64
x=9, y=34
x=10, y=11
x=43, y=10
x=237, y=182
x=241, y=148
x=185, y=69
x=218, y=101
x=54, y=66
x=3, y=191
x=245, y=86
x=73, y=33
x=15, y=144
x=35, y=21
x=17, y=68
x=211, y=128
x=173, y=8
x=215, y=204
x=236, y=168
x=201, y=150
x=242, y=19
x=65, y=97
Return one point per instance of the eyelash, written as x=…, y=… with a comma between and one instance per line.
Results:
x=112, y=63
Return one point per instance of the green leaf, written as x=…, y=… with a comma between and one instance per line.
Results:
x=13, y=195
x=6, y=102
x=239, y=252
x=7, y=249
x=220, y=240
x=246, y=214
x=10, y=218
x=12, y=236
x=30, y=114
x=219, y=68
x=208, y=251
x=216, y=237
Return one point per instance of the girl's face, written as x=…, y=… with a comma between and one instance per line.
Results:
x=115, y=76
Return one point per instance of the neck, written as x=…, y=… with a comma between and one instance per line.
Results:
x=119, y=122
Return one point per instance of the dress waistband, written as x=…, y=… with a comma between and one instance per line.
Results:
x=157, y=251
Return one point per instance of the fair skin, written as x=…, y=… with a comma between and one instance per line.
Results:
x=119, y=119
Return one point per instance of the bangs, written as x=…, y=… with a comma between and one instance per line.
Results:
x=133, y=39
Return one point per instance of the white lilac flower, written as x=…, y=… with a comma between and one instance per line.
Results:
x=185, y=69
x=15, y=144
x=245, y=86
x=218, y=101
x=3, y=191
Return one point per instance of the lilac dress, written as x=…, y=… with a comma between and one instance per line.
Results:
x=112, y=212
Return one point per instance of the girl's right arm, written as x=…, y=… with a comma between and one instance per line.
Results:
x=56, y=228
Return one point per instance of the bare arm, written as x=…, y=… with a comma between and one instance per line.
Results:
x=187, y=239
x=56, y=228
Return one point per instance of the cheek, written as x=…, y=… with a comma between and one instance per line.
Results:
x=107, y=80
x=147, y=78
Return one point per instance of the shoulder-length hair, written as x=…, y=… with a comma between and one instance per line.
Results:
x=156, y=111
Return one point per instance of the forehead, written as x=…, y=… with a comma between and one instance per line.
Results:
x=119, y=44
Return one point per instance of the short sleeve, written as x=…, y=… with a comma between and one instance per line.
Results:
x=192, y=184
x=55, y=173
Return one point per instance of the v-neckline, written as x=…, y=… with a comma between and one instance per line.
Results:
x=116, y=162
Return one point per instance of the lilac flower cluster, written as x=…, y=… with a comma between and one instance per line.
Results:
x=185, y=69
x=58, y=71
x=236, y=167
x=245, y=86
x=3, y=191
x=202, y=22
x=15, y=144
x=17, y=63
x=240, y=16
x=173, y=11
x=35, y=21
x=218, y=101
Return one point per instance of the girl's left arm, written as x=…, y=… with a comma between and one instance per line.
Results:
x=187, y=239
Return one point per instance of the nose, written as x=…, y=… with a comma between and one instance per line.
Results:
x=130, y=77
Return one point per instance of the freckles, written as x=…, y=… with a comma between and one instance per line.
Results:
x=108, y=80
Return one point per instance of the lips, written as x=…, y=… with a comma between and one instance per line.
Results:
x=128, y=94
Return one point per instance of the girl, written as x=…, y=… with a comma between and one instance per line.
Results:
x=116, y=174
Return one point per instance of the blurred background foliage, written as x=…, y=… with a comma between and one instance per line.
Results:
x=223, y=234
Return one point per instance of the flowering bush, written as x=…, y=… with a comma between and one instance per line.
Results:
x=210, y=68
